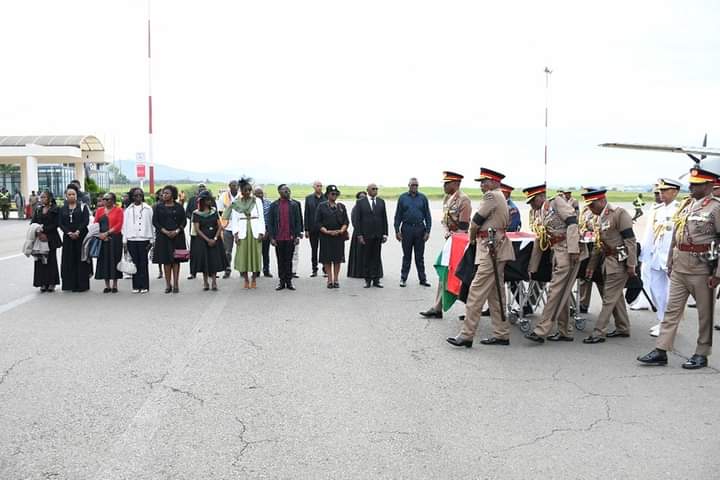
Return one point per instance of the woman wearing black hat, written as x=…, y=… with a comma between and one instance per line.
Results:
x=207, y=253
x=333, y=221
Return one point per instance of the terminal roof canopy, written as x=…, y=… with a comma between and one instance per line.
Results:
x=85, y=143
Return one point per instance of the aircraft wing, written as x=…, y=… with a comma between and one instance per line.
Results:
x=665, y=148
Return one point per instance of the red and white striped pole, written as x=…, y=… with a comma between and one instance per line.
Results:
x=547, y=101
x=151, y=157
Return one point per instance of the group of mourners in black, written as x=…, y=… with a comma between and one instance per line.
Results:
x=123, y=239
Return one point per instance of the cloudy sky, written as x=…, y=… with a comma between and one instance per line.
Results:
x=351, y=92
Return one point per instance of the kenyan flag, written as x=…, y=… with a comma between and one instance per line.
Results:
x=446, y=264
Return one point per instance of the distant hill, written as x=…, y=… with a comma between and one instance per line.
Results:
x=165, y=173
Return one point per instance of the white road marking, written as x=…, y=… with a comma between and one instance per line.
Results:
x=11, y=256
x=6, y=307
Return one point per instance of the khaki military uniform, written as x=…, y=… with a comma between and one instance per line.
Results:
x=493, y=208
x=555, y=225
x=457, y=209
x=614, y=227
x=586, y=224
x=697, y=227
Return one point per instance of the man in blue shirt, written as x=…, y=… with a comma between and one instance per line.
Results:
x=515, y=220
x=412, y=228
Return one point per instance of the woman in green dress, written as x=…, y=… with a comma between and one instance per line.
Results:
x=247, y=222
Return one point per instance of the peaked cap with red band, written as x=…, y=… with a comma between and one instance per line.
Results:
x=593, y=195
x=532, y=192
x=452, y=177
x=506, y=188
x=698, y=175
x=487, y=174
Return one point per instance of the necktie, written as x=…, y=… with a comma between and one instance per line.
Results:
x=373, y=204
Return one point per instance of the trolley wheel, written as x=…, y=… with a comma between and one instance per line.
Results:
x=524, y=326
x=580, y=324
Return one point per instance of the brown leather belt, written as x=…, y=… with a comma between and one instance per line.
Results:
x=484, y=233
x=609, y=251
x=689, y=247
x=555, y=239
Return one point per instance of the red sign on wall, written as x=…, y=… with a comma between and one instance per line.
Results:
x=140, y=170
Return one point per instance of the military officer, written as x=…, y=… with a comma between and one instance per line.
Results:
x=693, y=270
x=616, y=240
x=571, y=200
x=586, y=225
x=488, y=228
x=515, y=219
x=555, y=225
x=655, y=246
x=456, y=219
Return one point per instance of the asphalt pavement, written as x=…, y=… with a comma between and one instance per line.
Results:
x=319, y=383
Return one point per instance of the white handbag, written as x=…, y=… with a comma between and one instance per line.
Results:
x=126, y=265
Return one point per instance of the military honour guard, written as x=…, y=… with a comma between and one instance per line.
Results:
x=456, y=219
x=693, y=269
x=493, y=250
x=615, y=242
x=555, y=225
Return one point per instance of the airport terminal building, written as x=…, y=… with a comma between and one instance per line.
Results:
x=32, y=163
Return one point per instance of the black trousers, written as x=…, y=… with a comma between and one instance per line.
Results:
x=228, y=242
x=314, y=244
x=266, y=254
x=284, y=250
x=413, y=239
x=372, y=259
x=139, y=253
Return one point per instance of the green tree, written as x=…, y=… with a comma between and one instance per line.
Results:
x=116, y=175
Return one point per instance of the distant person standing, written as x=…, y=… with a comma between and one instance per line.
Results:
x=638, y=204
x=412, y=227
x=189, y=209
x=169, y=221
x=355, y=260
x=372, y=233
x=45, y=275
x=312, y=229
x=515, y=220
x=110, y=218
x=208, y=253
x=573, y=201
x=20, y=204
x=284, y=229
x=74, y=220
x=260, y=194
x=248, y=226
x=138, y=237
x=5, y=203
x=332, y=219
x=83, y=197
x=32, y=204
x=226, y=199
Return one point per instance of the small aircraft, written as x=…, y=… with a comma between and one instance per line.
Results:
x=697, y=154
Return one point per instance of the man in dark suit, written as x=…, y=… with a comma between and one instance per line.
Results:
x=312, y=229
x=284, y=228
x=372, y=232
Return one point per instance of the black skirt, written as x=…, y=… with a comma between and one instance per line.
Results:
x=46, y=274
x=332, y=249
x=207, y=259
x=355, y=264
x=110, y=254
x=164, y=251
x=75, y=272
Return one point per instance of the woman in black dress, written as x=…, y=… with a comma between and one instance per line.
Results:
x=333, y=221
x=355, y=265
x=110, y=218
x=74, y=219
x=169, y=221
x=46, y=274
x=207, y=252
